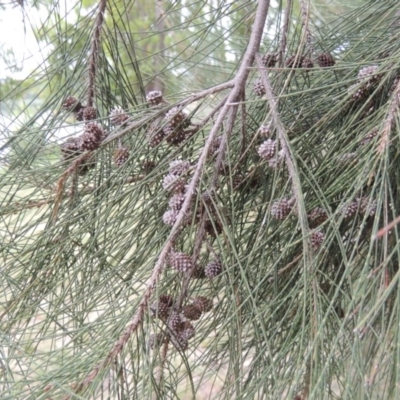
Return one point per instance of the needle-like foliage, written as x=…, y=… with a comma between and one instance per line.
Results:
x=194, y=204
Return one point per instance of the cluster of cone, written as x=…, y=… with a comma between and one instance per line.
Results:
x=172, y=129
x=175, y=183
x=94, y=133
x=324, y=60
x=178, y=320
x=81, y=112
x=179, y=327
x=367, y=80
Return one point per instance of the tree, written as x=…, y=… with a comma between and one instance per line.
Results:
x=229, y=237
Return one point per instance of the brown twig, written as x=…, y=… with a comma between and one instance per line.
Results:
x=285, y=29
x=243, y=126
x=190, y=99
x=288, y=266
x=305, y=17
x=163, y=358
x=61, y=182
x=95, y=51
x=387, y=228
x=390, y=119
x=18, y=206
x=239, y=85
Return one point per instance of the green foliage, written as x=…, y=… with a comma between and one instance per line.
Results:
x=289, y=317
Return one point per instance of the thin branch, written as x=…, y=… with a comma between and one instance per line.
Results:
x=19, y=206
x=239, y=86
x=387, y=228
x=305, y=17
x=188, y=100
x=285, y=29
x=390, y=119
x=95, y=51
x=244, y=126
x=61, y=182
x=284, y=142
x=163, y=358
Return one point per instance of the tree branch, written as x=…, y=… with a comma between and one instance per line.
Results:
x=390, y=119
x=305, y=17
x=239, y=83
x=285, y=29
x=95, y=50
x=188, y=100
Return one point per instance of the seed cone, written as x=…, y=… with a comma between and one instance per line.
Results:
x=174, y=183
x=174, y=136
x=368, y=206
x=265, y=131
x=326, y=60
x=307, y=63
x=204, y=304
x=157, y=138
x=187, y=332
x=267, y=149
x=72, y=104
x=167, y=299
x=161, y=310
x=179, y=342
x=215, y=146
x=178, y=167
x=191, y=312
x=92, y=137
x=89, y=113
x=317, y=237
x=154, y=97
x=213, y=269
x=294, y=61
x=358, y=92
x=118, y=116
x=180, y=261
x=368, y=75
x=121, y=156
x=259, y=88
x=281, y=209
x=70, y=149
x=170, y=216
x=175, y=117
x=176, y=201
x=317, y=216
x=269, y=60
x=352, y=209
x=175, y=322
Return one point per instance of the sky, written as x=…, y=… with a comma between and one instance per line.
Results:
x=16, y=34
